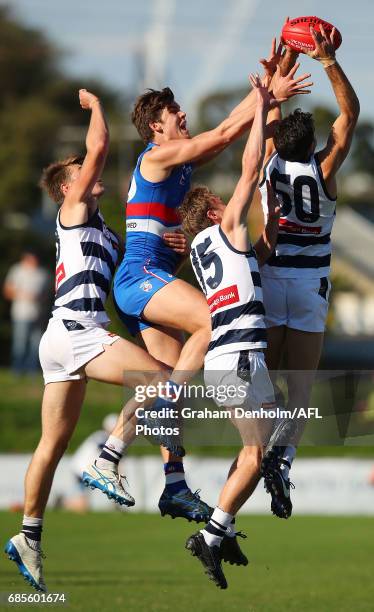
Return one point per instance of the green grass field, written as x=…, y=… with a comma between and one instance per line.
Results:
x=137, y=562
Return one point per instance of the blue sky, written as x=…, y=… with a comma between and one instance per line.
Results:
x=194, y=46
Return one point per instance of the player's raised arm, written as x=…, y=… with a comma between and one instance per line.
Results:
x=266, y=243
x=97, y=144
x=340, y=137
x=286, y=64
x=205, y=146
x=234, y=221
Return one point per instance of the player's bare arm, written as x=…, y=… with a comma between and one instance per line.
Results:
x=282, y=86
x=159, y=162
x=269, y=64
x=74, y=209
x=234, y=220
x=286, y=64
x=265, y=245
x=340, y=137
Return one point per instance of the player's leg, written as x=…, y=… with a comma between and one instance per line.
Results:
x=180, y=306
x=183, y=307
x=307, y=304
x=62, y=402
x=164, y=344
x=308, y=308
x=125, y=363
x=177, y=499
x=276, y=340
x=275, y=478
x=243, y=479
x=303, y=355
x=120, y=363
x=217, y=542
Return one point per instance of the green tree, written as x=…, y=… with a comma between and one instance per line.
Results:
x=37, y=99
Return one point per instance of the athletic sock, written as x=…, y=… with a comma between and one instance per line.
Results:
x=111, y=454
x=231, y=531
x=32, y=528
x=174, y=477
x=286, y=460
x=215, y=530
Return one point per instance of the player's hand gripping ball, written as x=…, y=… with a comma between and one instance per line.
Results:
x=296, y=33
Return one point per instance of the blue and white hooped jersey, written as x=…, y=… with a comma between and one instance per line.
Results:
x=303, y=248
x=86, y=258
x=232, y=285
x=151, y=211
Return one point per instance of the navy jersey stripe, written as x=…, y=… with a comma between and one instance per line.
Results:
x=299, y=261
x=324, y=286
x=86, y=304
x=256, y=279
x=249, y=253
x=228, y=316
x=94, y=249
x=83, y=278
x=303, y=241
x=196, y=265
x=239, y=335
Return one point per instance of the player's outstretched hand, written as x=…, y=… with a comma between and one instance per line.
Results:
x=274, y=207
x=87, y=99
x=270, y=64
x=324, y=50
x=177, y=241
x=287, y=86
x=263, y=94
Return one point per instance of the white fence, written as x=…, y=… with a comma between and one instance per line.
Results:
x=323, y=486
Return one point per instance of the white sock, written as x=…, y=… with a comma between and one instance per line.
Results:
x=231, y=531
x=289, y=456
x=32, y=529
x=111, y=453
x=217, y=527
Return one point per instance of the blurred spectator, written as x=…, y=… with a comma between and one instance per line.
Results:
x=85, y=454
x=26, y=287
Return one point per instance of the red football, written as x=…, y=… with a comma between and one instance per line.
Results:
x=296, y=33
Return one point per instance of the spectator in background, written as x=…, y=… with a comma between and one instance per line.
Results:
x=26, y=287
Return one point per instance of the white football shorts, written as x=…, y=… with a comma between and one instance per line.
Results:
x=66, y=346
x=242, y=383
x=298, y=303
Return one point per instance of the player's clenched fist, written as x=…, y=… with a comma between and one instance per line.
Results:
x=87, y=99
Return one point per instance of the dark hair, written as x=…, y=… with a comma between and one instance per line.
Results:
x=57, y=173
x=294, y=136
x=148, y=108
x=194, y=208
